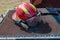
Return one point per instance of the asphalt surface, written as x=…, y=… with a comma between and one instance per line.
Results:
x=47, y=26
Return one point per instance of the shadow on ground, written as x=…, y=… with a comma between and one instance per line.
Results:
x=42, y=28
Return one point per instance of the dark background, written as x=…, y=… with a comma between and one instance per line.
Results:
x=48, y=3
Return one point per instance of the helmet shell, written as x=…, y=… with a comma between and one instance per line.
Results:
x=25, y=10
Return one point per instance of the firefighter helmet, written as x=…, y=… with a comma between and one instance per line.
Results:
x=24, y=11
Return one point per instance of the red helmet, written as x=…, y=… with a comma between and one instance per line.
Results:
x=24, y=11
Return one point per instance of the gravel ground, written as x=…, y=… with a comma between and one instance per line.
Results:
x=8, y=4
x=48, y=26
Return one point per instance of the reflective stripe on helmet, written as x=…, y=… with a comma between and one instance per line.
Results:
x=30, y=9
x=18, y=18
x=24, y=9
x=32, y=6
